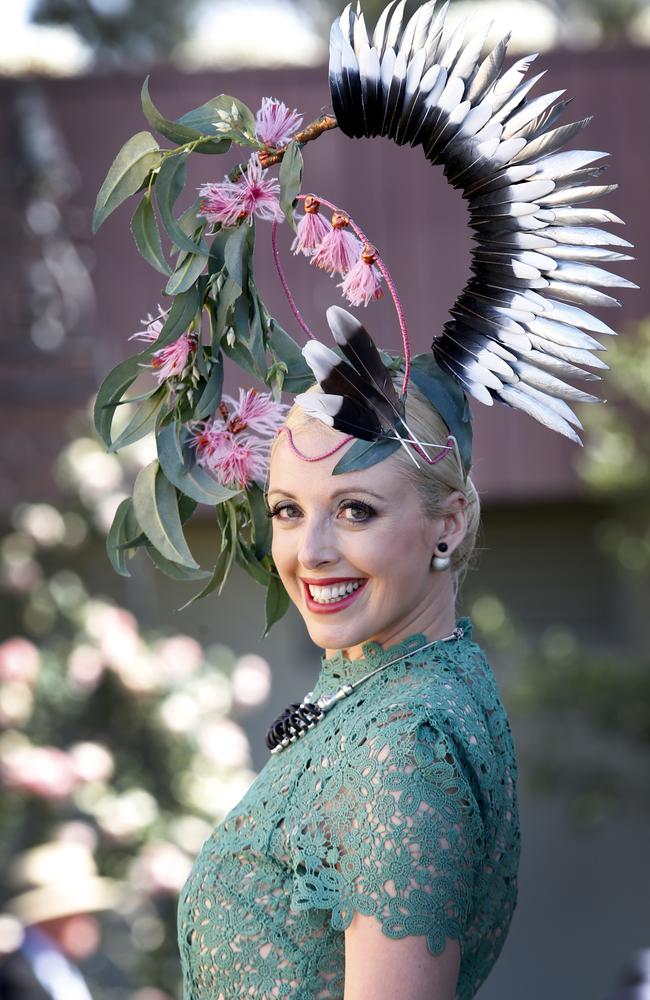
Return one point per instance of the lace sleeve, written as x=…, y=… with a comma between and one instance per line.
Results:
x=395, y=831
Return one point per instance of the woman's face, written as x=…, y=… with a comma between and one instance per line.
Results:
x=353, y=550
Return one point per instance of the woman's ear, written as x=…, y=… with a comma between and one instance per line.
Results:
x=453, y=523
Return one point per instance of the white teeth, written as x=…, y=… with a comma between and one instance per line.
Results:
x=333, y=593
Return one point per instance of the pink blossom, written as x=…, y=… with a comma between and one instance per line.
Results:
x=339, y=248
x=211, y=440
x=257, y=410
x=244, y=460
x=172, y=360
x=236, y=458
x=153, y=325
x=169, y=361
x=361, y=283
x=311, y=229
x=229, y=202
x=275, y=124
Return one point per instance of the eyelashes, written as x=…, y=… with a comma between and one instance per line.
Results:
x=367, y=512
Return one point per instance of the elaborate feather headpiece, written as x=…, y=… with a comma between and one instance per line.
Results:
x=520, y=330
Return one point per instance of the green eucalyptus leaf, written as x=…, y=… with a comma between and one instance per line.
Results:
x=110, y=392
x=142, y=422
x=246, y=558
x=147, y=238
x=170, y=183
x=186, y=273
x=299, y=375
x=138, y=399
x=190, y=221
x=247, y=341
x=237, y=252
x=218, y=252
x=240, y=354
x=123, y=529
x=262, y=528
x=448, y=398
x=211, y=395
x=277, y=603
x=290, y=177
x=173, y=569
x=256, y=343
x=178, y=462
x=217, y=578
x=180, y=131
x=156, y=507
x=186, y=507
x=227, y=517
x=364, y=454
x=132, y=165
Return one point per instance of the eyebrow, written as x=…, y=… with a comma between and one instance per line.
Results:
x=349, y=489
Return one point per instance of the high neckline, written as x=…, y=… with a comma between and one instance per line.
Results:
x=375, y=655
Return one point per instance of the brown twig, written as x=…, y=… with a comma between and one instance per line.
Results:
x=313, y=130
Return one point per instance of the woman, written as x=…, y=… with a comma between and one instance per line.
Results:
x=376, y=853
x=377, y=856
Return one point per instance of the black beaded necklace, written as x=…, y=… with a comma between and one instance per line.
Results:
x=298, y=718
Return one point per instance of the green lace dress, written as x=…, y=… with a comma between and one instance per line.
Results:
x=400, y=803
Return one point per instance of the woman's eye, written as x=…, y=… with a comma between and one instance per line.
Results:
x=279, y=509
x=359, y=511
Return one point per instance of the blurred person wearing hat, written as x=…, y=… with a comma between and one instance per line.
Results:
x=49, y=925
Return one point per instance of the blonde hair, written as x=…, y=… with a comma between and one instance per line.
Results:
x=434, y=483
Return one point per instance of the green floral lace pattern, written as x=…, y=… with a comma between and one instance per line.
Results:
x=400, y=804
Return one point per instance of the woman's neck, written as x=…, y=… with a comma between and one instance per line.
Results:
x=435, y=620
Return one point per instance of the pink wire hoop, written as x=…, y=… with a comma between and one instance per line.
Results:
x=380, y=264
x=312, y=458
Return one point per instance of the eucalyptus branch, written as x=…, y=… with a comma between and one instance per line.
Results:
x=313, y=130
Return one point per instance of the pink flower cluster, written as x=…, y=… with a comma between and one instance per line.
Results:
x=171, y=361
x=231, y=202
x=333, y=248
x=224, y=444
x=275, y=125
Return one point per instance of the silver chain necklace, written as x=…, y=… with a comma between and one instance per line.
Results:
x=297, y=719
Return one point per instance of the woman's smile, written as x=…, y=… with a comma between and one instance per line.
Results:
x=331, y=594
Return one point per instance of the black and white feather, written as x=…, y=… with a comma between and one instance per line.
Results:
x=522, y=325
x=358, y=396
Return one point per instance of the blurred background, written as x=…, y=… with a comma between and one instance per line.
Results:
x=128, y=727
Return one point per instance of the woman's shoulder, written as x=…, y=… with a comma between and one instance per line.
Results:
x=448, y=693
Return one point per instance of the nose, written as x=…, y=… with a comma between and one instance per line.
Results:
x=317, y=543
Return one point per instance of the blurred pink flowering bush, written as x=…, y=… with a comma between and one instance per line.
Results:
x=131, y=737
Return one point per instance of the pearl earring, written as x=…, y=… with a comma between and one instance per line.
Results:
x=440, y=563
